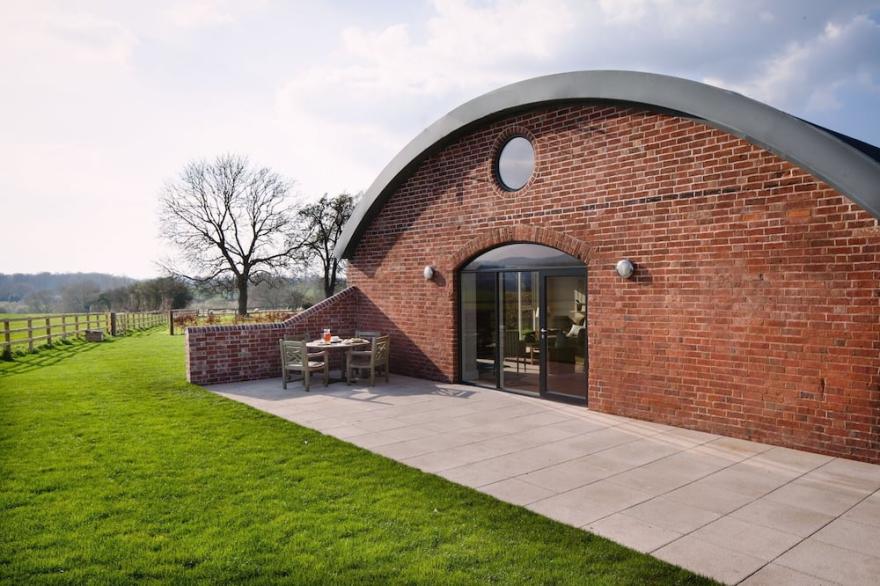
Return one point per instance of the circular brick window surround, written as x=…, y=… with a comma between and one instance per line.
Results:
x=514, y=163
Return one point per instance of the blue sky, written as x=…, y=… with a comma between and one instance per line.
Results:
x=106, y=100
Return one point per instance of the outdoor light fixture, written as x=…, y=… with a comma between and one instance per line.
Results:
x=428, y=272
x=625, y=268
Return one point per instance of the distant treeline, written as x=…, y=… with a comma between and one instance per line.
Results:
x=82, y=292
x=16, y=287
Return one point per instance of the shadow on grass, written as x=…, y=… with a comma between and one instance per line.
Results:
x=46, y=356
x=143, y=332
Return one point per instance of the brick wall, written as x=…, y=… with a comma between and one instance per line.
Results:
x=754, y=309
x=222, y=354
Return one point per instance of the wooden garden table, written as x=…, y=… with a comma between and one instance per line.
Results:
x=343, y=345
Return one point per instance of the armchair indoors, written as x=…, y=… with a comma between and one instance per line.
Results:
x=514, y=348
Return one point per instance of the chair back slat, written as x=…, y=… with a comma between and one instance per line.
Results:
x=381, y=349
x=293, y=352
x=366, y=334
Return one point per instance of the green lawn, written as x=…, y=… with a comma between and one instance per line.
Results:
x=114, y=469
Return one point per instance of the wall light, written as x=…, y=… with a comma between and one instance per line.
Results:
x=428, y=272
x=625, y=268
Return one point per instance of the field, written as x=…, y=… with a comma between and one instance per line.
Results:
x=114, y=469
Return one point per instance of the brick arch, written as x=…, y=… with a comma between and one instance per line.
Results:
x=519, y=233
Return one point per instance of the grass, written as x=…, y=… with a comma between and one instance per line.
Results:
x=114, y=469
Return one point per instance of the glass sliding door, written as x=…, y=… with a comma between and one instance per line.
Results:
x=523, y=321
x=565, y=336
x=479, y=328
x=520, y=318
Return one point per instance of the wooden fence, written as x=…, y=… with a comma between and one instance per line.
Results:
x=26, y=331
x=122, y=323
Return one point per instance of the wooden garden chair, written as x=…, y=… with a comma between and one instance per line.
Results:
x=295, y=357
x=376, y=358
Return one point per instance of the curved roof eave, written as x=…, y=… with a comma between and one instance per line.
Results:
x=819, y=151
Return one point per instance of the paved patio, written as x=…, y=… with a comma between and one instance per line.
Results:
x=738, y=511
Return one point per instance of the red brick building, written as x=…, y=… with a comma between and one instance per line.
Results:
x=752, y=308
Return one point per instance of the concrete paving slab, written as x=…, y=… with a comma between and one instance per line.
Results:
x=829, y=562
x=749, y=480
x=817, y=496
x=775, y=575
x=588, y=504
x=672, y=515
x=851, y=535
x=788, y=461
x=635, y=533
x=848, y=473
x=867, y=511
x=576, y=473
x=761, y=542
x=709, y=497
x=714, y=561
x=782, y=517
x=517, y=491
x=667, y=474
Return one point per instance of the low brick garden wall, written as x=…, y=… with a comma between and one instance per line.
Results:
x=230, y=353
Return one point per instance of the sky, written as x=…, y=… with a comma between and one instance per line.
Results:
x=105, y=101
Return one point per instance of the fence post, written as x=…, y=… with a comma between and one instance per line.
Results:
x=112, y=323
x=49, y=330
x=30, y=335
x=7, y=337
x=64, y=327
x=171, y=321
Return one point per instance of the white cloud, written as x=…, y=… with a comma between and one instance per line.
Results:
x=198, y=14
x=62, y=40
x=809, y=75
x=663, y=15
x=195, y=14
x=381, y=86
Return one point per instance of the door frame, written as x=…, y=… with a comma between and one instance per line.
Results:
x=543, y=392
x=546, y=393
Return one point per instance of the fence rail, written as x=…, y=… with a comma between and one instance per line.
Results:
x=25, y=331
x=121, y=323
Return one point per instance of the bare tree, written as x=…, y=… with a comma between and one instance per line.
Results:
x=318, y=229
x=278, y=292
x=228, y=219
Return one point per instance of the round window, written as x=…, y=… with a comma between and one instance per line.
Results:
x=515, y=164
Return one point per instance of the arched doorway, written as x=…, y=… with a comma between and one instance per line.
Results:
x=523, y=328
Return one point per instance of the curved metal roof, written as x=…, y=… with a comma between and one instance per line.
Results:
x=850, y=166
